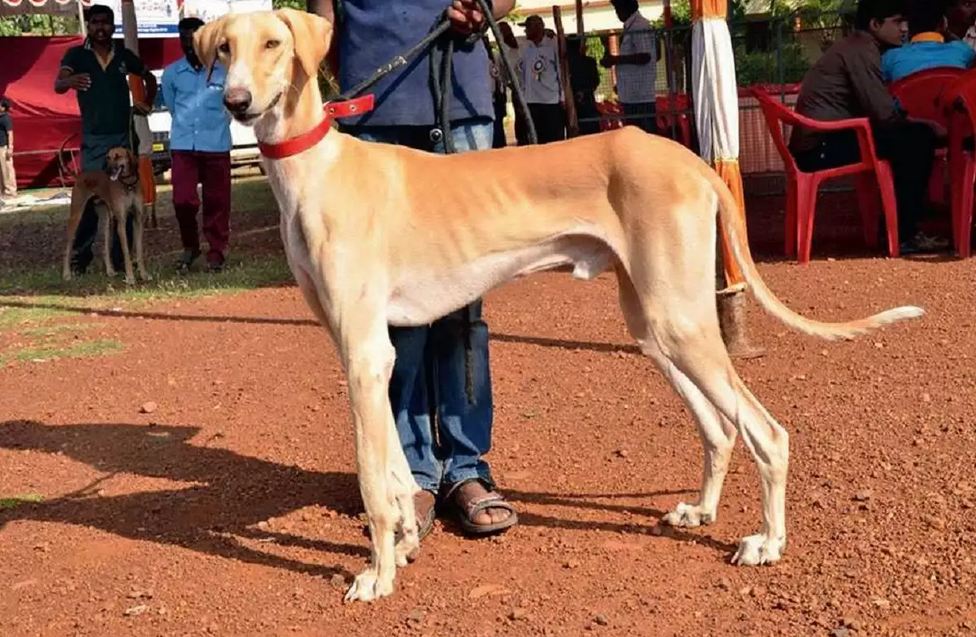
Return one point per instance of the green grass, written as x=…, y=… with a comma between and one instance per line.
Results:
x=244, y=272
x=82, y=349
x=35, y=301
x=17, y=500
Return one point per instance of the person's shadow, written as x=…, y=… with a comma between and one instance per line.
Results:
x=234, y=492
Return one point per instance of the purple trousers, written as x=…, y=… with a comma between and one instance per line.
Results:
x=212, y=171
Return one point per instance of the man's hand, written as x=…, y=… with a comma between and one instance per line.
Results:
x=141, y=108
x=466, y=16
x=78, y=81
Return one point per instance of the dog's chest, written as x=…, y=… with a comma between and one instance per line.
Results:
x=420, y=297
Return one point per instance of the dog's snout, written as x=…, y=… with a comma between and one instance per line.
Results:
x=237, y=100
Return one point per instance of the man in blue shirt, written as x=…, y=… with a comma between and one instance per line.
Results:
x=200, y=145
x=927, y=26
x=441, y=379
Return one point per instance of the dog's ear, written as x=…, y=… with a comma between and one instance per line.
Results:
x=206, y=39
x=312, y=35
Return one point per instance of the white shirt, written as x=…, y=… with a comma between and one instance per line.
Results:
x=539, y=70
x=635, y=82
x=970, y=37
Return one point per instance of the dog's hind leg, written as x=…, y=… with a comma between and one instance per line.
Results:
x=701, y=356
x=368, y=359
x=717, y=433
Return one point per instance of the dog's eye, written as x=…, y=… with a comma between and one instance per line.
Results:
x=272, y=44
x=224, y=47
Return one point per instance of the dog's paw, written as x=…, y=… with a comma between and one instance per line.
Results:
x=369, y=586
x=66, y=276
x=145, y=276
x=759, y=549
x=130, y=280
x=407, y=550
x=688, y=516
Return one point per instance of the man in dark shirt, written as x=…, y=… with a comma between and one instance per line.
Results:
x=98, y=72
x=846, y=83
x=8, y=178
x=440, y=389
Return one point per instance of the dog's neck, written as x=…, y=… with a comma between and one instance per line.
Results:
x=297, y=113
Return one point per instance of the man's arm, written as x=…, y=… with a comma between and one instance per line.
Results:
x=67, y=79
x=870, y=90
x=168, y=90
x=466, y=15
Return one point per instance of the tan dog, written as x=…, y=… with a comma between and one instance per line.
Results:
x=379, y=234
x=118, y=195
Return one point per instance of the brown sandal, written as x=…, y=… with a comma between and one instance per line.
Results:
x=467, y=510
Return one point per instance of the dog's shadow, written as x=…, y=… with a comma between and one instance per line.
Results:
x=231, y=493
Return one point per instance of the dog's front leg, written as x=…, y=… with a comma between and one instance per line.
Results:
x=105, y=218
x=368, y=357
x=130, y=277
x=138, y=225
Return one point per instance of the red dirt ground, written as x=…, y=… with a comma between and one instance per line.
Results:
x=232, y=509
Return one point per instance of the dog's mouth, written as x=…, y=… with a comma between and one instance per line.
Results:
x=248, y=118
x=116, y=172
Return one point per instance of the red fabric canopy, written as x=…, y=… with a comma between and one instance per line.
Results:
x=44, y=120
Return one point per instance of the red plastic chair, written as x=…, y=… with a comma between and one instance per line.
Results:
x=674, y=113
x=872, y=174
x=962, y=160
x=921, y=95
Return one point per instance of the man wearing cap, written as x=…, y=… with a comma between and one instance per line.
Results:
x=539, y=71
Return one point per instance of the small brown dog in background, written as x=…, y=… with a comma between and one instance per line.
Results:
x=118, y=194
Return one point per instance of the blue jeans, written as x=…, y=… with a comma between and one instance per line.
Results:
x=430, y=376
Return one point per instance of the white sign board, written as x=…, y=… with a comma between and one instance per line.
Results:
x=155, y=18
x=208, y=10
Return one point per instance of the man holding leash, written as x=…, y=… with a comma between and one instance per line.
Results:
x=98, y=72
x=440, y=389
x=200, y=146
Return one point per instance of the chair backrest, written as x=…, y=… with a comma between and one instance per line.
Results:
x=777, y=115
x=920, y=94
x=963, y=95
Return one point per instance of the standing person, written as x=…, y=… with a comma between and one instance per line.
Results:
x=200, y=144
x=846, y=83
x=509, y=47
x=499, y=92
x=636, y=66
x=8, y=178
x=97, y=71
x=440, y=387
x=584, y=77
x=539, y=71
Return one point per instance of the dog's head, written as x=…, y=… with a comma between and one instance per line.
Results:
x=120, y=162
x=266, y=54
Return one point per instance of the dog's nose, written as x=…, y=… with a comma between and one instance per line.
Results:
x=237, y=100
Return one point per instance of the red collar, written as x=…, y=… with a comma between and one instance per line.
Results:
x=333, y=110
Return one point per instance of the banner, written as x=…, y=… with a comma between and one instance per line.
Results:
x=208, y=10
x=155, y=18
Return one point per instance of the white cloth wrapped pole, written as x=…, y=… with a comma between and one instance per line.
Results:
x=716, y=94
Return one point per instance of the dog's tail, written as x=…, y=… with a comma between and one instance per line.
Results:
x=735, y=230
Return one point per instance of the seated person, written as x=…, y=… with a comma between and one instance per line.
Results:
x=927, y=26
x=846, y=83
